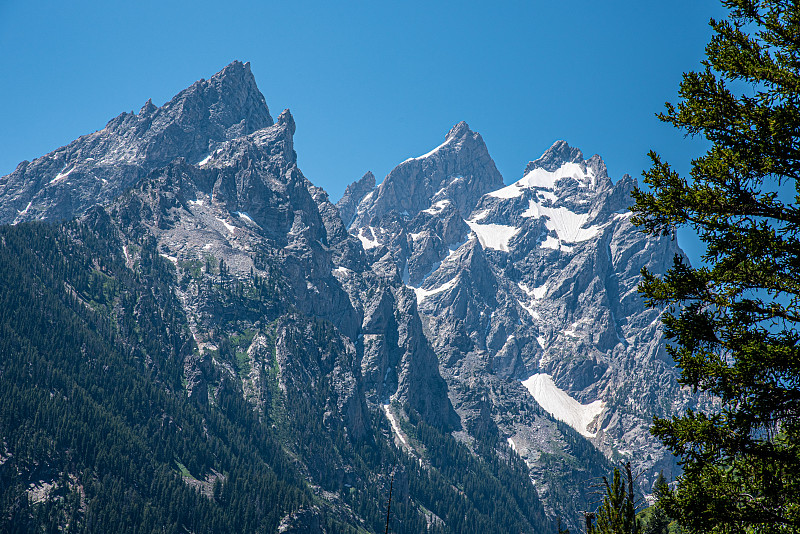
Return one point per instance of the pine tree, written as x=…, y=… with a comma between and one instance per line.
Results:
x=617, y=512
x=733, y=321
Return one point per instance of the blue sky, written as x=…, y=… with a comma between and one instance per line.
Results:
x=369, y=83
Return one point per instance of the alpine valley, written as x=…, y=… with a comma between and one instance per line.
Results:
x=195, y=338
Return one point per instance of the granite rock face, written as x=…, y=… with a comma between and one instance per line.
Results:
x=97, y=167
x=456, y=173
x=353, y=195
x=506, y=315
x=533, y=282
x=213, y=179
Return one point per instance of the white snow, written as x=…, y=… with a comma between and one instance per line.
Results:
x=623, y=215
x=542, y=179
x=422, y=294
x=524, y=287
x=242, y=215
x=512, y=191
x=127, y=255
x=530, y=310
x=228, y=225
x=207, y=246
x=547, y=180
x=479, y=216
x=560, y=405
x=541, y=340
x=395, y=425
x=61, y=176
x=551, y=242
x=196, y=202
x=431, y=152
x=567, y=224
x=511, y=443
x=341, y=270
x=539, y=292
x=173, y=259
x=204, y=160
x=437, y=207
x=417, y=235
x=366, y=242
x=495, y=236
x=23, y=212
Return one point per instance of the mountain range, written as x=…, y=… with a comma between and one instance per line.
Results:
x=479, y=347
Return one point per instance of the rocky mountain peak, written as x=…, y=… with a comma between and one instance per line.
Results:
x=555, y=157
x=286, y=119
x=458, y=131
x=459, y=172
x=230, y=99
x=353, y=195
x=97, y=167
x=148, y=108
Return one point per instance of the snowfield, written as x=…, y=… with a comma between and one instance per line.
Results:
x=560, y=405
x=422, y=294
x=567, y=224
x=495, y=236
x=366, y=242
x=395, y=426
x=542, y=179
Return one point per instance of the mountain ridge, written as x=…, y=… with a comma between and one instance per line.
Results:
x=408, y=313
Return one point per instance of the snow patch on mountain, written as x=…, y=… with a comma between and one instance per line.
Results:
x=533, y=313
x=432, y=152
x=437, y=207
x=568, y=225
x=422, y=294
x=23, y=212
x=395, y=426
x=366, y=241
x=512, y=191
x=494, y=236
x=228, y=225
x=560, y=405
x=61, y=176
x=245, y=217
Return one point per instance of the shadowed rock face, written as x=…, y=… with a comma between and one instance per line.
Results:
x=97, y=167
x=353, y=195
x=459, y=171
x=249, y=206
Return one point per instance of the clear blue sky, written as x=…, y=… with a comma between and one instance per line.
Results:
x=369, y=83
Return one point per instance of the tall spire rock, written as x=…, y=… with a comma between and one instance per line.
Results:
x=353, y=195
x=97, y=167
x=458, y=171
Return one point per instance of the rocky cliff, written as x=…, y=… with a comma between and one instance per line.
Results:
x=467, y=322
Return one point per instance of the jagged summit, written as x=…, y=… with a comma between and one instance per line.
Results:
x=459, y=171
x=230, y=100
x=562, y=170
x=459, y=130
x=556, y=156
x=353, y=195
x=97, y=167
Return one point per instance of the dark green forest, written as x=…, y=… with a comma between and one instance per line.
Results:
x=99, y=434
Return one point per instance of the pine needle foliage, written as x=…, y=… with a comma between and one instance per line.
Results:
x=733, y=321
x=617, y=512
